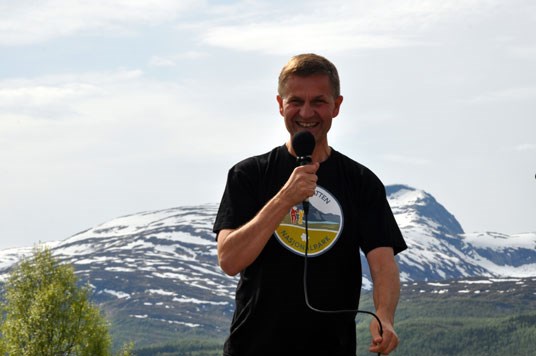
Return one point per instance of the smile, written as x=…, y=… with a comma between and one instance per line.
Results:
x=307, y=125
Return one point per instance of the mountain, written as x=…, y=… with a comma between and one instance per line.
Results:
x=438, y=248
x=158, y=269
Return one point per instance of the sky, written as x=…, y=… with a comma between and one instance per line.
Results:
x=114, y=107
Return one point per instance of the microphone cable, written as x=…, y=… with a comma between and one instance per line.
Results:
x=305, y=288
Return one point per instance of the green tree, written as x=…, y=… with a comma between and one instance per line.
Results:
x=46, y=313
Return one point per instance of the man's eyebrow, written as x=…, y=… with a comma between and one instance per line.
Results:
x=295, y=97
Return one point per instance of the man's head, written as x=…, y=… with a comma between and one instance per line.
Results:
x=307, y=64
x=309, y=98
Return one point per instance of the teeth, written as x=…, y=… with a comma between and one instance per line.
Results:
x=307, y=124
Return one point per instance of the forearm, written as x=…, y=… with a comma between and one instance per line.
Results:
x=386, y=283
x=386, y=293
x=238, y=248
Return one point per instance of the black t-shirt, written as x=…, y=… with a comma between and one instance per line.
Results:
x=348, y=212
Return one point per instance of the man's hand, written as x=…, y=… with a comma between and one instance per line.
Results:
x=301, y=184
x=238, y=248
x=385, y=343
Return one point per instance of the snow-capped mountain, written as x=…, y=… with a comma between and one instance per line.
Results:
x=161, y=266
x=163, y=261
x=439, y=249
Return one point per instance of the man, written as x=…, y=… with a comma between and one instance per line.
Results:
x=261, y=235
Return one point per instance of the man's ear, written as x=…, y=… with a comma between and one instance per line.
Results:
x=280, y=102
x=338, y=102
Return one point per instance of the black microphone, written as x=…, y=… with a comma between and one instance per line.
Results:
x=303, y=144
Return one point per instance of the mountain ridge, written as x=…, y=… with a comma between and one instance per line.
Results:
x=159, y=268
x=438, y=247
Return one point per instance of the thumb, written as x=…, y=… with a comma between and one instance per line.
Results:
x=313, y=167
x=375, y=332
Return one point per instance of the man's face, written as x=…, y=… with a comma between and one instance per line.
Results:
x=308, y=104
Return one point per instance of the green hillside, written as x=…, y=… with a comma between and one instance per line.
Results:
x=463, y=319
x=452, y=318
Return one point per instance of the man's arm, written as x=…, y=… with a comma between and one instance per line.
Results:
x=238, y=248
x=386, y=292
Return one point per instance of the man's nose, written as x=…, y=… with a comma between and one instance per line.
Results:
x=306, y=110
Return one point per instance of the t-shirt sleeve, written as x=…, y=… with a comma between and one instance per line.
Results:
x=239, y=202
x=378, y=224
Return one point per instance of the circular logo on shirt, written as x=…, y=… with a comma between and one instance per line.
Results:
x=324, y=221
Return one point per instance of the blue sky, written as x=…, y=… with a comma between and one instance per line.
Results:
x=109, y=108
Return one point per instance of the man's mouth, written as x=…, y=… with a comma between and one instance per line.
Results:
x=306, y=125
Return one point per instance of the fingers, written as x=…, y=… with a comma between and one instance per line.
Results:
x=307, y=170
x=307, y=179
x=302, y=183
x=383, y=344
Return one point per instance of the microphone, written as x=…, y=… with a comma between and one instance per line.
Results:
x=303, y=144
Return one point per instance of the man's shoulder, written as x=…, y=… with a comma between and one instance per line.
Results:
x=261, y=159
x=350, y=163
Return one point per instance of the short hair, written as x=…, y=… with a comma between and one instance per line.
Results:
x=307, y=64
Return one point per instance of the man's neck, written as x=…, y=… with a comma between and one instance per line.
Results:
x=320, y=154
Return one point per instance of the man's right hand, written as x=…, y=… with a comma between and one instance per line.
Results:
x=301, y=184
x=238, y=248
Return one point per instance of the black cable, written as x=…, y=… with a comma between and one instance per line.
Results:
x=305, y=289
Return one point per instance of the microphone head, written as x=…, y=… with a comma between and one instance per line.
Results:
x=303, y=143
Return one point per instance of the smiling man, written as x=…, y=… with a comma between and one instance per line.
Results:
x=260, y=234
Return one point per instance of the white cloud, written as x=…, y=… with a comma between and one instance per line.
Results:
x=42, y=98
x=242, y=25
x=114, y=142
x=406, y=160
x=56, y=97
x=121, y=113
x=171, y=61
x=342, y=26
x=293, y=38
x=27, y=22
x=506, y=95
x=524, y=147
x=524, y=52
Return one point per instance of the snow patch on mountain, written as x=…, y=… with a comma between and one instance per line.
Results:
x=501, y=242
